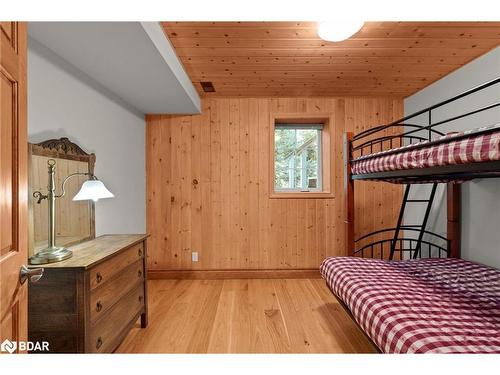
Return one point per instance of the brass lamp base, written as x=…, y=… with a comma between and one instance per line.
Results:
x=50, y=255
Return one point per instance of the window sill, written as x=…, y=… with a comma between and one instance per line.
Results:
x=301, y=195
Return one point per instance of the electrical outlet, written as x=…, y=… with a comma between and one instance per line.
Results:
x=194, y=256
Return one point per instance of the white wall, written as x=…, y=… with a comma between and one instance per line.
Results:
x=64, y=102
x=480, y=198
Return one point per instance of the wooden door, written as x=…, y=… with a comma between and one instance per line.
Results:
x=13, y=182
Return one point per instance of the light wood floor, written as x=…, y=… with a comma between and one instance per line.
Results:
x=245, y=316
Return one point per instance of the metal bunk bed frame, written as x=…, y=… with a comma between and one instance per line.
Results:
x=364, y=143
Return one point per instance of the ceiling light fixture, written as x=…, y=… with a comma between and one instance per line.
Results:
x=336, y=31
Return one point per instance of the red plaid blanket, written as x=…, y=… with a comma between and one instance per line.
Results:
x=420, y=306
x=473, y=149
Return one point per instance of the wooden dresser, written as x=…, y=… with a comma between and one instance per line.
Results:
x=88, y=303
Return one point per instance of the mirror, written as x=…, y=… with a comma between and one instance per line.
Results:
x=75, y=221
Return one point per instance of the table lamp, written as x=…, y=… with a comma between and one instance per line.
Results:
x=92, y=189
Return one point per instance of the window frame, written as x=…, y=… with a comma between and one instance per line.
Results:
x=319, y=128
x=325, y=148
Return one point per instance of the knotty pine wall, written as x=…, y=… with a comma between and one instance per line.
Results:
x=208, y=187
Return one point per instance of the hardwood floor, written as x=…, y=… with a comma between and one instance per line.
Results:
x=245, y=316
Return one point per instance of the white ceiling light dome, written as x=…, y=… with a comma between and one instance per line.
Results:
x=338, y=30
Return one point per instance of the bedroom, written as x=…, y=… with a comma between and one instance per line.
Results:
x=230, y=195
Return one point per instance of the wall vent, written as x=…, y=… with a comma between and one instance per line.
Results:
x=207, y=86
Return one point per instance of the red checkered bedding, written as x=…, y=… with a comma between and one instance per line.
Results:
x=475, y=148
x=420, y=306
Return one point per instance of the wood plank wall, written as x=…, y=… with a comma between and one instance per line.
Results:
x=208, y=188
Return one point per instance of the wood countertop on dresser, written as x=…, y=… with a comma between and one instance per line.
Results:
x=89, y=253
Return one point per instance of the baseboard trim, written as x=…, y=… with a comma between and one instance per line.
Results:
x=233, y=274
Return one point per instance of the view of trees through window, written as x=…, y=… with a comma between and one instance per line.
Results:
x=296, y=163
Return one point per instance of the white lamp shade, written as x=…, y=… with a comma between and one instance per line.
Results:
x=336, y=31
x=93, y=190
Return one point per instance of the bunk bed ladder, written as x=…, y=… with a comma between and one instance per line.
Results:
x=422, y=226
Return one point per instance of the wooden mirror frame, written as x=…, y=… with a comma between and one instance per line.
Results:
x=61, y=148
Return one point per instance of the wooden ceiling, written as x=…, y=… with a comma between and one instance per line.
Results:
x=289, y=59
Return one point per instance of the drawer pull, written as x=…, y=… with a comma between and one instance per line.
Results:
x=139, y=273
x=98, y=306
x=139, y=252
x=98, y=277
x=140, y=298
x=98, y=343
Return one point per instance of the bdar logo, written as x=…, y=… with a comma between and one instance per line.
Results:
x=8, y=346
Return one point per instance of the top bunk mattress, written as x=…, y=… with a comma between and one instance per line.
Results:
x=420, y=306
x=473, y=146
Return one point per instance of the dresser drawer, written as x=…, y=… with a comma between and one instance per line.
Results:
x=106, y=270
x=106, y=295
x=104, y=334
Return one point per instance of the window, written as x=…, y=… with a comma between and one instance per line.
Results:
x=301, y=156
x=297, y=157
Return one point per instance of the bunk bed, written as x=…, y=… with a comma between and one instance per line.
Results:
x=406, y=286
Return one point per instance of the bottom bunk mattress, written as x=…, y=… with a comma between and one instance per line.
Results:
x=420, y=306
